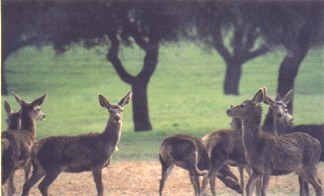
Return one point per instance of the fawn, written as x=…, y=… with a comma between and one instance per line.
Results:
x=187, y=152
x=268, y=154
x=282, y=122
x=18, y=139
x=75, y=154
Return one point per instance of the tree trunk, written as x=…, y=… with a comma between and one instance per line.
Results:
x=287, y=75
x=290, y=65
x=4, y=86
x=286, y=81
x=140, y=107
x=232, y=78
x=140, y=82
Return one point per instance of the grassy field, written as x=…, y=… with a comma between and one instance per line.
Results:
x=185, y=93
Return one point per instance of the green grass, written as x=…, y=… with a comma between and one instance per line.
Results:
x=185, y=93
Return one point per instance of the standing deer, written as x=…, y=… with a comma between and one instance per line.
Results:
x=14, y=123
x=17, y=141
x=268, y=154
x=282, y=122
x=224, y=147
x=187, y=152
x=75, y=154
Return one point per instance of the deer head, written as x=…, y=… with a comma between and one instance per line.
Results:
x=244, y=110
x=115, y=110
x=13, y=118
x=279, y=107
x=32, y=110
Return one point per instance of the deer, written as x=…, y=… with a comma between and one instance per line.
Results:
x=17, y=140
x=14, y=123
x=187, y=152
x=282, y=121
x=226, y=147
x=74, y=154
x=269, y=154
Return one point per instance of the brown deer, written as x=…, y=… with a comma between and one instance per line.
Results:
x=75, y=154
x=224, y=147
x=268, y=154
x=187, y=152
x=14, y=123
x=282, y=122
x=17, y=141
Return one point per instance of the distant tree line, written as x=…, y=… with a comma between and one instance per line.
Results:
x=239, y=32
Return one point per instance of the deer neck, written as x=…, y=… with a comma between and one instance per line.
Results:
x=27, y=123
x=281, y=126
x=251, y=131
x=112, y=132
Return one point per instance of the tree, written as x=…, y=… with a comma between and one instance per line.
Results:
x=20, y=20
x=112, y=23
x=298, y=37
x=218, y=22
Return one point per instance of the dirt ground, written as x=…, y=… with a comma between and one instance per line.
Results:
x=142, y=178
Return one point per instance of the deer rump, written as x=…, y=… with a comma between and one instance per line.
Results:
x=73, y=154
x=15, y=147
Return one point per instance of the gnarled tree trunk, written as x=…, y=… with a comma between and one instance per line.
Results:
x=140, y=82
x=289, y=67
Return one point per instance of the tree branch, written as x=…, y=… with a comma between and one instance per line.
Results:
x=257, y=52
x=219, y=44
x=251, y=37
x=151, y=57
x=112, y=56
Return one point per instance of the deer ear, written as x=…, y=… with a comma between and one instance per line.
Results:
x=39, y=101
x=259, y=96
x=278, y=97
x=268, y=100
x=287, y=98
x=103, y=101
x=7, y=107
x=19, y=100
x=124, y=101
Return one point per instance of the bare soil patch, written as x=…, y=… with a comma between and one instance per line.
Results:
x=142, y=178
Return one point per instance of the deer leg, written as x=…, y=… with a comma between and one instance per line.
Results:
x=49, y=178
x=311, y=177
x=166, y=169
x=11, y=184
x=302, y=190
x=195, y=183
x=241, y=171
x=252, y=179
x=204, y=184
x=97, y=176
x=38, y=173
x=305, y=185
x=265, y=183
x=229, y=179
x=27, y=170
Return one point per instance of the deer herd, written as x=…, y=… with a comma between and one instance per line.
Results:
x=261, y=152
